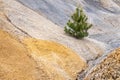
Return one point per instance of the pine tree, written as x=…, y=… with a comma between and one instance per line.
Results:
x=78, y=26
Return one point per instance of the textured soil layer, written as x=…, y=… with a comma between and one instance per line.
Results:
x=108, y=69
x=37, y=60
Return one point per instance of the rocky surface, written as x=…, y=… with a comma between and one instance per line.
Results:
x=108, y=69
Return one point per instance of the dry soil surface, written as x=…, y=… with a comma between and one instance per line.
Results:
x=37, y=60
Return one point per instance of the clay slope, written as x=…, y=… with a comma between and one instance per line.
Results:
x=41, y=60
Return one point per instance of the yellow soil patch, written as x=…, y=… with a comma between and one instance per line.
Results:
x=40, y=60
x=60, y=62
x=14, y=62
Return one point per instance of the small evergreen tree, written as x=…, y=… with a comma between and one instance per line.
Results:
x=78, y=27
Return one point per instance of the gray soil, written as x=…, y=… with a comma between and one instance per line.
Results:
x=106, y=19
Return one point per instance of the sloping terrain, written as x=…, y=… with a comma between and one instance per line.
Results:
x=36, y=26
x=39, y=49
x=24, y=64
x=103, y=14
x=40, y=60
x=61, y=61
x=57, y=11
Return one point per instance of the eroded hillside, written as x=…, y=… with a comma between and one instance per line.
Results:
x=26, y=22
x=34, y=46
